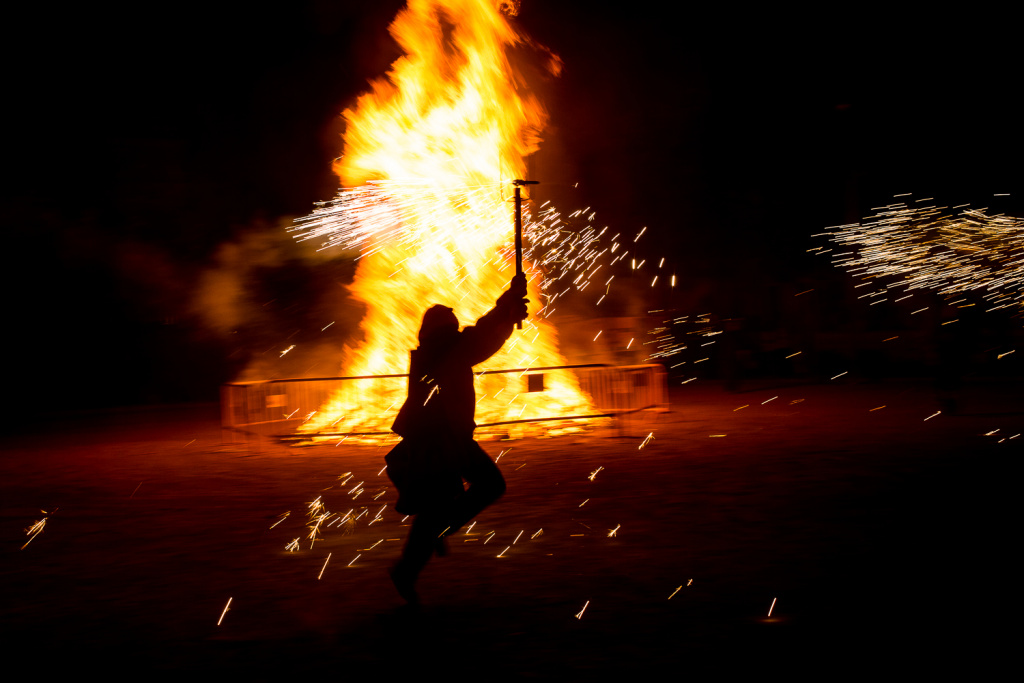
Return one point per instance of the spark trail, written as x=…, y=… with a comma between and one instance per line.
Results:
x=952, y=251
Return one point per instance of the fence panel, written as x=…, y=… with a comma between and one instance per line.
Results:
x=277, y=407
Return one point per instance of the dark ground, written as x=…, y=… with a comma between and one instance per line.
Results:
x=885, y=538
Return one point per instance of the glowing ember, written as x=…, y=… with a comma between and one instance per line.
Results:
x=321, y=574
x=222, y=614
x=427, y=159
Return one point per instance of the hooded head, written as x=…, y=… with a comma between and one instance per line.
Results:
x=438, y=322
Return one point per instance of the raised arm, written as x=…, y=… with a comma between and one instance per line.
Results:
x=483, y=340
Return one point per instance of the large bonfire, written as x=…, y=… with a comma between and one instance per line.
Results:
x=425, y=172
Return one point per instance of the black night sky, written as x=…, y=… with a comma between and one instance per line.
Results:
x=141, y=138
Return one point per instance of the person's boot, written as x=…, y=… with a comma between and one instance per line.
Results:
x=405, y=583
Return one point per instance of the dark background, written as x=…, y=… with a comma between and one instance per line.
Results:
x=139, y=140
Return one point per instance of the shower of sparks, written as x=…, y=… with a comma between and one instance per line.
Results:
x=283, y=517
x=649, y=438
x=293, y=546
x=904, y=248
x=579, y=615
x=226, y=608
x=368, y=218
x=613, y=532
x=594, y=473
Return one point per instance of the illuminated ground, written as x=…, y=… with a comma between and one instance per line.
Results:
x=882, y=536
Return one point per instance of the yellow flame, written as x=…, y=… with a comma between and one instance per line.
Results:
x=436, y=141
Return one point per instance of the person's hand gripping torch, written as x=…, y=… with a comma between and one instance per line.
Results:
x=519, y=230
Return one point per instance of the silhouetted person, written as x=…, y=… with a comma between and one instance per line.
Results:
x=437, y=451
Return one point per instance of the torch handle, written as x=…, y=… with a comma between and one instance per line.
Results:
x=519, y=240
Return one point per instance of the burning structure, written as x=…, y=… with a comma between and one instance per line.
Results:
x=428, y=158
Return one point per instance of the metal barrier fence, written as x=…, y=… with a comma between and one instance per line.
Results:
x=277, y=407
x=627, y=388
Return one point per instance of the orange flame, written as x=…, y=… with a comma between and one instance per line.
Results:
x=425, y=155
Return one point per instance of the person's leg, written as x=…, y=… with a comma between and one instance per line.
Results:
x=420, y=544
x=435, y=520
x=435, y=498
x=486, y=485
